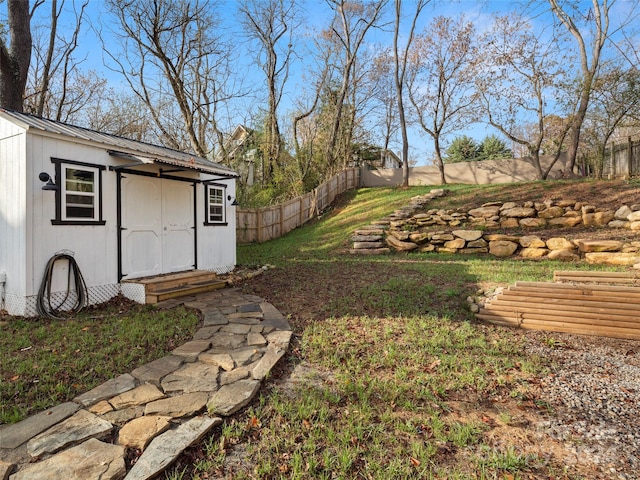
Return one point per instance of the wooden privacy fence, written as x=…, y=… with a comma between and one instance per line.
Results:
x=262, y=224
x=622, y=161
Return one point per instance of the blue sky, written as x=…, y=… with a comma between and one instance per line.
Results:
x=478, y=12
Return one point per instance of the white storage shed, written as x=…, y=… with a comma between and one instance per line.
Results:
x=122, y=209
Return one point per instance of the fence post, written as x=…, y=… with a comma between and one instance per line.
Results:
x=282, y=232
x=259, y=223
x=629, y=158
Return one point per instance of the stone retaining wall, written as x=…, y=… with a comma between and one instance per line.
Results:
x=416, y=228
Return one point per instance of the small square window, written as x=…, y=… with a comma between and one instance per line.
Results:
x=80, y=193
x=79, y=197
x=215, y=205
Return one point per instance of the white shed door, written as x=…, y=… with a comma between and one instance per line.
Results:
x=158, y=226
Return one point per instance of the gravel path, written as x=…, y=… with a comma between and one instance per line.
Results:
x=594, y=390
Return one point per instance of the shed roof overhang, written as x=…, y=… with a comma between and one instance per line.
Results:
x=181, y=165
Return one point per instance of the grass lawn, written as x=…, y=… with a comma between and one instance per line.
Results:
x=45, y=362
x=389, y=375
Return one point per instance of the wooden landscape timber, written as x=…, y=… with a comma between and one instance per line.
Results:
x=582, y=308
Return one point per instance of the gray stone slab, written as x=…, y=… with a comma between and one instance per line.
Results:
x=153, y=372
x=273, y=318
x=192, y=377
x=247, y=355
x=123, y=416
x=145, y=393
x=227, y=340
x=250, y=307
x=14, y=435
x=248, y=321
x=214, y=318
x=236, y=328
x=78, y=428
x=231, y=398
x=254, y=338
x=165, y=448
x=280, y=337
x=190, y=350
x=108, y=389
x=178, y=406
x=222, y=360
x=270, y=358
x=234, y=375
x=92, y=459
x=206, y=333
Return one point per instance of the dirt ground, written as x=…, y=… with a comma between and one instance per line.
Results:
x=580, y=442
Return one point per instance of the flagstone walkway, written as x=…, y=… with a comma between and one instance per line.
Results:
x=160, y=408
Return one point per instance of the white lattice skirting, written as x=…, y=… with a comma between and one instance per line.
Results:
x=26, y=306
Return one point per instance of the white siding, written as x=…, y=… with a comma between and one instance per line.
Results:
x=94, y=247
x=12, y=213
x=28, y=239
x=217, y=243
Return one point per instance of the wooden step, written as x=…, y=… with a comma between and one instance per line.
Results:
x=588, y=309
x=160, y=283
x=183, y=290
x=585, y=307
x=580, y=329
x=619, y=278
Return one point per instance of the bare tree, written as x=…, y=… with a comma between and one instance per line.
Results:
x=521, y=72
x=400, y=69
x=56, y=87
x=174, y=42
x=272, y=23
x=441, y=80
x=349, y=27
x=15, y=55
x=589, y=26
x=616, y=96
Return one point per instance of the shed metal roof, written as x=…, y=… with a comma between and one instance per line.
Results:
x=157, y=153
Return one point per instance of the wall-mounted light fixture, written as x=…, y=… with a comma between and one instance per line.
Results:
x=49, y=185
x=234, y=203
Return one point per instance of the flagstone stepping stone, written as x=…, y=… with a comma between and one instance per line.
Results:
x=141, y=395
x=108, y=389
x=123, y=416
x=152, y=372
x=12, y=436
x=192, y=377
x=178, y=406
x=165, y=448
x=280, y=338
x=192, y=349
x=231, y=398
x=254, y=338
x=234, y=375
x=227, y=340
x=89, y=460
x=80, y=427
x=222, y=360
x=140, y=431
x=266, y=363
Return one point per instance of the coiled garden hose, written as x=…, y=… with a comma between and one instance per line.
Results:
x=44, y=305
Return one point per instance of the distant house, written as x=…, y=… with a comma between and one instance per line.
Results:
x=239, y=152
x=371, y=156
x=124, y=209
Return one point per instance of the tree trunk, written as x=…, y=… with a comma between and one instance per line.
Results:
x=439, y=161
x=15, y=60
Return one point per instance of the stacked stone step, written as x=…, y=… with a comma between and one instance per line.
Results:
x=371, y=239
